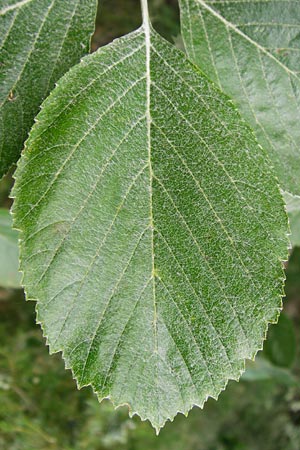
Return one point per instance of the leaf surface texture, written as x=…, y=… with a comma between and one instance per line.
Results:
x=39, y=41
x=251, y=49
x=152, y=229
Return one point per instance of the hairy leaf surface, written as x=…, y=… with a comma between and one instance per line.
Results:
x=152, y=229
x=39, y=41
x=9, y=252
x=251, y=49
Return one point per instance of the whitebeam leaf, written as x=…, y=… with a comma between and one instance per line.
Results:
x=39, y=41
x=152, y=229
x=251, y=49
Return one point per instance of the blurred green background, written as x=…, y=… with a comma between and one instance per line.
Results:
x=40, y=407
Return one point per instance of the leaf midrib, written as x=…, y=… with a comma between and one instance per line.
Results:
x=149, y=121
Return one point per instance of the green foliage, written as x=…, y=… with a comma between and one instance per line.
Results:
x=41, y=410
x=146, y=209
x=152, y=226
x=250, y=48
x=40, y=40
x=263, y=369
x=281, y=347
x=293, y=209
x=9, y=252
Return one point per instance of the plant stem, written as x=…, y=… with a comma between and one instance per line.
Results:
x=145, y=11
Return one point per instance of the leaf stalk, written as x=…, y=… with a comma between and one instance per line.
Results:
x=145, y=11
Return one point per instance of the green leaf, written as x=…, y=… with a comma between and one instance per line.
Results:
x=10, y=277
x=39, y=41
x=280, y=347
x=251, y=49
x=152, y=229
x=262, y=369
x=293, y=209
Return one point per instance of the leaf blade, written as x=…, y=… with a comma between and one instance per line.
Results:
x=41, y=40
x=244, y=49
x=152, y=233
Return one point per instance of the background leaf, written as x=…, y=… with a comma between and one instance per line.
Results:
x=152, y=229
x=9, y=252
x=251, y=49
x=280, y=346
x=39, y=41
x=293, y=209
x=262, y=369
